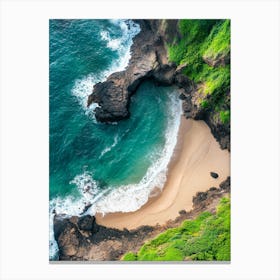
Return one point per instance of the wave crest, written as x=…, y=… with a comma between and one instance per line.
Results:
x=83, y=87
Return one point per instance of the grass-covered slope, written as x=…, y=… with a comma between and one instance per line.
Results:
x=205, y=238
x=204, y=49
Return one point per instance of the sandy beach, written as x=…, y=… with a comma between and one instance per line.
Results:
x=196, y=154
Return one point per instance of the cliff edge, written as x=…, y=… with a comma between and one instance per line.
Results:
x=152, y=58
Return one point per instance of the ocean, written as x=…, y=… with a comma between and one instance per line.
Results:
x=97, y=167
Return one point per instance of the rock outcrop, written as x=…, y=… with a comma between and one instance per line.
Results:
x=192, y=109
x=149, y=60
x=81, y=238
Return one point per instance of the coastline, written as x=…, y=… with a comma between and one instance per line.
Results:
x=196, y=154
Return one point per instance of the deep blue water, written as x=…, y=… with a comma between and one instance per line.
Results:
x=111, y=166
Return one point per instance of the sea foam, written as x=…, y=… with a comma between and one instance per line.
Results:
x=83, y=87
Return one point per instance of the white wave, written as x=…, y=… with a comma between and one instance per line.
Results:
x=108, y=149
x=86, y=185
x=81, y=90
x=83, y=87
x=125, y=198
x=53, y=247
x=71, y=206
x=131, y=197
x=113, y=44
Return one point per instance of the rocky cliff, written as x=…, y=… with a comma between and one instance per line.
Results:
x=149, y=60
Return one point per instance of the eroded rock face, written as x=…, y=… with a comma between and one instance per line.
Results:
x=192, y=109
x=68, y=237
x=148, y=61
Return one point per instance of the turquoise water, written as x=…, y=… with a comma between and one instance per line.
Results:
x=112, y=167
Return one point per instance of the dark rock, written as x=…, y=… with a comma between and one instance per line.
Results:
x=67, y=236
x=225, y=185
x=182, y=96
x=214, y=175
x=213, y=189
x=182, y=212
x=200, y=196
x=182, y=81
x=164, y=74
x=148, y=60
x=87, y=206
x=86, y=222
x=126, y=231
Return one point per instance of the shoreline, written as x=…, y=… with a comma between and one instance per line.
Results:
x=195, y=155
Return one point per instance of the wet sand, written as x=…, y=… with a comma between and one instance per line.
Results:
x=196, y=154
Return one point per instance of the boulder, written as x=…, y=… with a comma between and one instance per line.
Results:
x=67, y=236
x=214, y=175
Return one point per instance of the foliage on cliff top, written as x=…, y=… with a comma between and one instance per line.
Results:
x=205, y=238
x=218, y=42
x=206, y=40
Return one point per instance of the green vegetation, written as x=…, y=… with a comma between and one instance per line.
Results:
x=130, y=257
x=205, y=238
x=204, y=49
x=218, y=42
x=225, y=116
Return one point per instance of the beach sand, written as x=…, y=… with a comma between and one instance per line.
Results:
x=196, y=154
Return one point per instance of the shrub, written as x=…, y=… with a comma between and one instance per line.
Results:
x=225, y=116
x=130, y=256
x=205, y=39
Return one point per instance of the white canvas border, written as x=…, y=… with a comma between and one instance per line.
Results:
x=24, y=138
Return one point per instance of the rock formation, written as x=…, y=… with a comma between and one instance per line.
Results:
x=149, y=60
